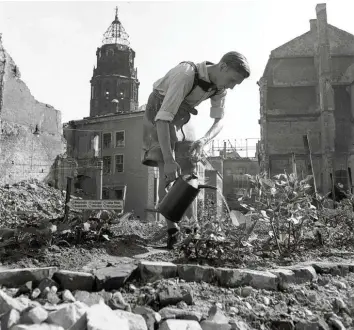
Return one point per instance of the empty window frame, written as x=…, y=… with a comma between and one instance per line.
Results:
x=119, y=163
x=120, y=138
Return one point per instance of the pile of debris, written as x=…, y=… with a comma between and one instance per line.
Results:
x=164, y=296
x=29, y=199
x=32, y=214
x=58, y=299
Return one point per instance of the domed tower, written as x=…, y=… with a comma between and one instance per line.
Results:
x=114, y=84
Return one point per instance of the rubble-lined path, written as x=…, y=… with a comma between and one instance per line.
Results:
x=148, y=295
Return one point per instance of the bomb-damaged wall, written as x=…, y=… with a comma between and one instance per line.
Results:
x=25, y=155
x=291, y=71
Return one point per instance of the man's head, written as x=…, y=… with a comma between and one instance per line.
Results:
x=233, y=68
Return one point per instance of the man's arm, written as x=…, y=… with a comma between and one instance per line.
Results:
x=214, y=130
x=164, y=137
x=179, y=87
x=216, y=112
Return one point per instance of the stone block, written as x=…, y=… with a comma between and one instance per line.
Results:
x=210, y=325
x=111, y=278
x=151, y=271
x=74, y=280
x=136, y=321
x=196, y=273
x=42, y=326
x=180, y=325
x=17, y=277
x=285, y=276
x=35, y=315
x=260, y=279
x=303, y=274
x=46, y=283
x=101, y=317
x=228, y=277
x=216, y=315
x=173, y=295
x=67, y=296
x=88, y=298
x=179, y=314
x=150, y=316
x=68, y=316
x=325, y=267
x=7, y=303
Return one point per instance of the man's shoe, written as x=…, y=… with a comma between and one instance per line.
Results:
x=173, y=236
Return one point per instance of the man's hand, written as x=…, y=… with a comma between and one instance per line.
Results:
x=196, y=150
x=172, y=170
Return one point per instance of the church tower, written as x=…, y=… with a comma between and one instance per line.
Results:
x=114, y=84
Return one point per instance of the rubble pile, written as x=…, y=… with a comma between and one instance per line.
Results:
x=165, y=296
x=35, y=200
x=30, y=199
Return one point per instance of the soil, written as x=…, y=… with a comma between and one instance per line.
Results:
x=77, y=256
x=330, y=298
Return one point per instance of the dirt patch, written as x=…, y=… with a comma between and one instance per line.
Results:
x=257, y=260
x=71, y=258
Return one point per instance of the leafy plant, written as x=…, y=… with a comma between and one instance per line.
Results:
x=285, y=205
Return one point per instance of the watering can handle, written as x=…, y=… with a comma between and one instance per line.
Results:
x=170, y=184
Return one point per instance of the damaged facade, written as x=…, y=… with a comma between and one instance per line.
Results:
x=31, y=131
x=307, y=88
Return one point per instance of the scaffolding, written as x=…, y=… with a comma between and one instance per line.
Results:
x=236, y=148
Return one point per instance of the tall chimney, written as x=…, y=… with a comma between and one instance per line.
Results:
x=326, y=97
x=321, y=14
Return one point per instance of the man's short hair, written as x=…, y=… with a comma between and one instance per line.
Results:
x=237, y=62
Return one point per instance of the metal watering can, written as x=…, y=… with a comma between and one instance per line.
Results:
x=180, y=196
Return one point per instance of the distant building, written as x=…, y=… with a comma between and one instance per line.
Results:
x=308, y=88
x=214, y=176
x=236, y=183
x=233, y=169
x=113, y=131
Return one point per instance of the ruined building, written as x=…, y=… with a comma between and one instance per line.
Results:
x=113, y=131
x=31, y=132
x=307, y=88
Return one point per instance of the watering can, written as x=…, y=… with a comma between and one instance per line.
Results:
x=180, y=196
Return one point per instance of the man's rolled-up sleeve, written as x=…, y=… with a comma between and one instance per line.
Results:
x=180, y=84
x=218, y=105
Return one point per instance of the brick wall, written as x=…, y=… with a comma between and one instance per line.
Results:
x=23, y=154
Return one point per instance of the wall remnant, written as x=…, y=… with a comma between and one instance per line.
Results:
x=31, y=131
x=306, y=89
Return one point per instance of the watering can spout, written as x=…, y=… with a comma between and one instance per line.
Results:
x=206, y=186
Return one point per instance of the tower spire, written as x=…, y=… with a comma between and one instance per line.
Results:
x=116, y=34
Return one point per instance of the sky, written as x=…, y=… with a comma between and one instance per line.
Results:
x=54, y=45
